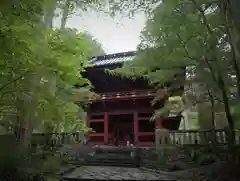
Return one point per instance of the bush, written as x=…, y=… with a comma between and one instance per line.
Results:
x=17, y=164
x=174, y=167
x=206, y=160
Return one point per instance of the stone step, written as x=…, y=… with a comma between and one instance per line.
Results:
x=115, y=156
x=108, y=161
x=130, y=160
x=115, y=150
x=121, y=157
x=132, y=165
x=111, y=159
x=101, y=161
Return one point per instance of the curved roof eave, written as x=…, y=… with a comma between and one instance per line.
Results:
x=115, y=58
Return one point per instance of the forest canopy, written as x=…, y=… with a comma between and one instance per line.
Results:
x=203, y=37
x=40, y=66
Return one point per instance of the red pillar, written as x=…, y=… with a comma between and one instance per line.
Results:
x=158, y=124
x=135, y=125
x=87, y=123
x=106, y=128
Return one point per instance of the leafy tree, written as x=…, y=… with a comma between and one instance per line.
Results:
x=39, y=68
x=94, y=47
x=69, y=51
x=191, y=34
x=70, y=7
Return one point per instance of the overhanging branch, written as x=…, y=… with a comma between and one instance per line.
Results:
x=13, y=81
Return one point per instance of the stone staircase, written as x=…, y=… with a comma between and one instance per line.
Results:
x=114, y=156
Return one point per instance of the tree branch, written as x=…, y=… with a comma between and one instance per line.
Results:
x=13, y=81
x=184, y=47
x=202, y=12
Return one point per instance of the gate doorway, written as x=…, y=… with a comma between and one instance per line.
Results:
x=121, y=129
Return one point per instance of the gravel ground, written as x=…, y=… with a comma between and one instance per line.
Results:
x=115, y=173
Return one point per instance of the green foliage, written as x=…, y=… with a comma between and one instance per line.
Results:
x=173, y=107
x=94, y=47
x=39, y=70
x=17, y=164
x=179, y=43
x=68, y=52
x=188, y=34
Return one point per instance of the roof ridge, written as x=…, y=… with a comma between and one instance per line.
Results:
x=115, y=58
x=113, y=55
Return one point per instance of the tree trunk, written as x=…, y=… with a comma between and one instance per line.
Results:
x=25, y=119
x=221, y=84
x=50, y=13
x=64, y=18
x=231, y=11
x=26, y=106
x=27, y=130
x=203, y=106
x=234, y=37
x=214, y=140
x=227, y=4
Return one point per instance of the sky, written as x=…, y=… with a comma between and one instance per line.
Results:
x=116, y=35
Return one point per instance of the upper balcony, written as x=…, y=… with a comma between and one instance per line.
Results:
x=125, y=95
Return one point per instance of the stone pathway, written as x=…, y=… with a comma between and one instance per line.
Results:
x=114, y=173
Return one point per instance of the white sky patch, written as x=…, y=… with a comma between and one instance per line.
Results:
x=116, y=35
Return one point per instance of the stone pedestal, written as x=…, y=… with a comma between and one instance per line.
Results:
x=161, y=136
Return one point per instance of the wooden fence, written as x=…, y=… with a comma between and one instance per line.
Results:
x=199, y=137
x=58, y=138
x=180, y=137
x=49, y=138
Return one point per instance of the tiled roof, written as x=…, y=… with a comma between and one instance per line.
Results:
x=113, y=58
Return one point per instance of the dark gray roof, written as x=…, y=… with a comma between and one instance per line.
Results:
x=113, y=58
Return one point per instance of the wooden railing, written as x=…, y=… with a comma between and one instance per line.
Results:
x=180, y=137
x=52, y=139
x=201, y=137
x=58, y=138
